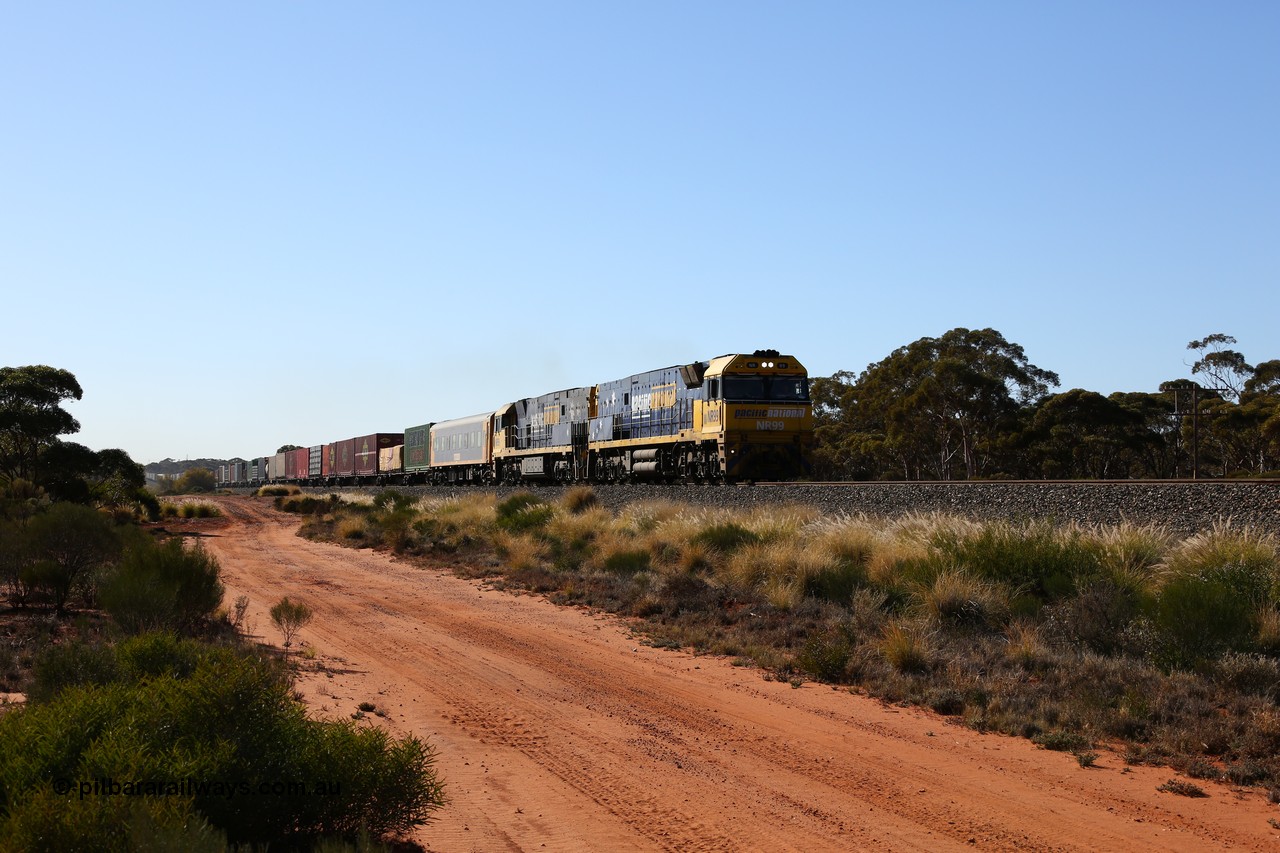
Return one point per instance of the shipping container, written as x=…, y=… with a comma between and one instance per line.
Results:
x=315, y=462
x=276, y=466
x=367, y=447
x=344, y=458
x=391, y=459
x=327, y=458
x=299, y=463
x=417, y=452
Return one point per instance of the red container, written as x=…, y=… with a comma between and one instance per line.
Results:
x=326, y=460
x=367, y=447
x=297, y=465
x=344, y=457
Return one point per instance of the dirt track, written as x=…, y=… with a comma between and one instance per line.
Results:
x=556, y=730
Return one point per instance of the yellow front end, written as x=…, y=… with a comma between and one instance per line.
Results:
x=757, y=409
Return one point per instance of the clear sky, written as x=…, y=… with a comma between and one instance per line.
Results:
x=249, y=224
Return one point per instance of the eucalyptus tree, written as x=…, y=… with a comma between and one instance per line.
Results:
x=32, y=417
x=949, y=403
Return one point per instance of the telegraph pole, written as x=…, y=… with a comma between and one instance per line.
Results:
x=1180, y=392
x=1192, y=390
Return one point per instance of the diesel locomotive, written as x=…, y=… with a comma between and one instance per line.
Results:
x=734, y=418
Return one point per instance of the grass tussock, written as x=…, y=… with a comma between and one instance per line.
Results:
x=188, y=508
x=277, y=491
x=1065, y=633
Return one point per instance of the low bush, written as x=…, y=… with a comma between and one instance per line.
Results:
x=71, y=664
x=826, y=654
x=627, y=562
x=1062, y=741
x=289, y=617
x=1204, y=614
x=959, y=599
x=163, y=587
x=218, y=731
x=59, y=551
x=1035, y=558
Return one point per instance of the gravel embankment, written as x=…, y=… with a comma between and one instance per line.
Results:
x=1181, y=507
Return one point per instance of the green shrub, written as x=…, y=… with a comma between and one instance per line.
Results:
x=627, y=562
x=64, y=547
x=1199, y=616
x=1034, y=558
x=825, y=655
x=835, y=581
x=197, y=509
x=71, y=664
x=1062, y=741
x=155, y=655
x=289, y=617
x=163, y=587
x=149, y=503
x=393, y=499
x=958, y=599
x=230, y=721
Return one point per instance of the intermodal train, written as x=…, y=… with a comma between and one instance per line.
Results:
x=734, y=418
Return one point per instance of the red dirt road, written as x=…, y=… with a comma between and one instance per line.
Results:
x=557, y=731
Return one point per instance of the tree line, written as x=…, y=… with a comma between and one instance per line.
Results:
x=970, y=405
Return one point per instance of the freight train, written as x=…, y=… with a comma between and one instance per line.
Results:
x=733, y=418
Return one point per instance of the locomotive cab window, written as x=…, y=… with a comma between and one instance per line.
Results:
x=789, y=388
x=745, y=388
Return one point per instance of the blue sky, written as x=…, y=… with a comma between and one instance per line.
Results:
x=249, y=224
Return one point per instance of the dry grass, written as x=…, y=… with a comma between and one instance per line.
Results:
x=1024, y=647
x=1251, y=550
x=908, y=647
x=1024, y=628
x=957, y=598
x=519, y=551
x=351, y=527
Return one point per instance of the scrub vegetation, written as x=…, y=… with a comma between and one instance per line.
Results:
x=135, y=676
x=1124, y=637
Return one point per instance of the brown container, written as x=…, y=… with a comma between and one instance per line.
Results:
x=367, y=447
x=344, y=457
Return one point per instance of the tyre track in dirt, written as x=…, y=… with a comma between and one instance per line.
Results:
x=556, y=731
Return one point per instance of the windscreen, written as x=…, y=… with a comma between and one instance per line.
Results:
x=764, y=388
